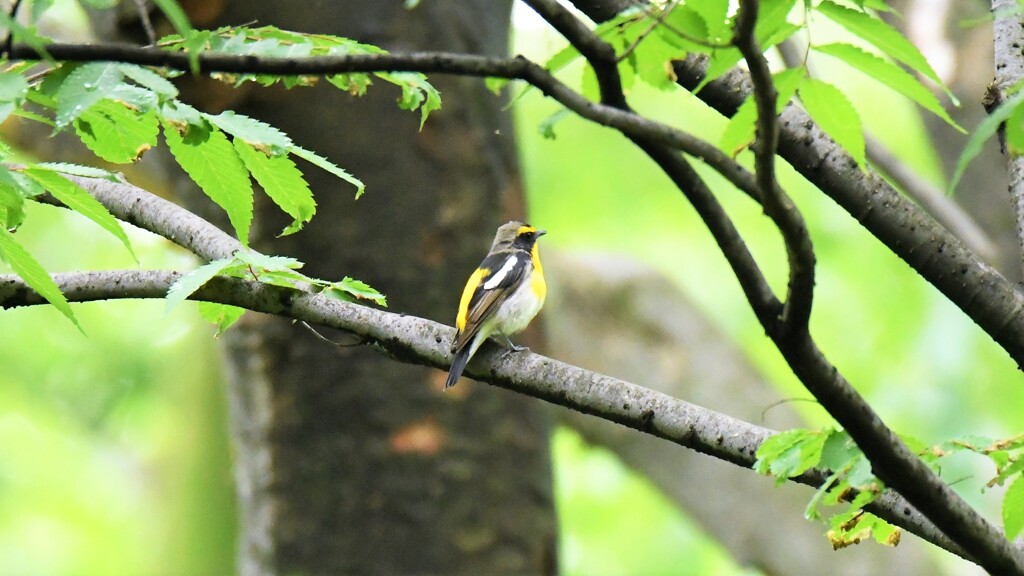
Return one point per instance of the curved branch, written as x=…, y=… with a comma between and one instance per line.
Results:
x=910, y=233
x=777, y=205
x=420, y=341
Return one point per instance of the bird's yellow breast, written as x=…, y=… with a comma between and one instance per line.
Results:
x=538, y=284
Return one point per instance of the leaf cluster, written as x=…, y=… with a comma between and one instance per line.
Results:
x=119, y=111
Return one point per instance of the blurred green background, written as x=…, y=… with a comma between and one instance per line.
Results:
x=113, y=447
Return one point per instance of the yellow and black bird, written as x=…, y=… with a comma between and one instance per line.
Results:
x=501, y=297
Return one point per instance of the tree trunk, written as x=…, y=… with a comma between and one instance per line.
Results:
x=348, y=462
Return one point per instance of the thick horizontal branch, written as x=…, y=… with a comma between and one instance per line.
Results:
x=418, y=341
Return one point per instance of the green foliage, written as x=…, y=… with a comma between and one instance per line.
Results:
x=32, y=272
x=268, y=41
x=881, y=35
x=77, y=199
x=205, y=153
x=740, y=131
x=276, y=270
x=828, y=106
x=889, y=74
x=223, y=316
x=985, y=130
x=793, y=452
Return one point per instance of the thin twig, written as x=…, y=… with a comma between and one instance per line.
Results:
x=9, y=41
x=147, y=25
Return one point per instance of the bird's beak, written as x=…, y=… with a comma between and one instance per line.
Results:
x=541, y=233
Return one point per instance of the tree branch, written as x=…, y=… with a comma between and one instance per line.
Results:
x=1009, y=61
x=777, y=205
x=940, y=257
x=420, y=341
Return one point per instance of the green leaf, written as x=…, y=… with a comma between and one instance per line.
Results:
x=84, y=86
x=1015, y=131
x=882, y=36
x=986, y=128
x=715, y=14
x=205, y=153
x=13, y=88
x=349, y=288
x=891, y=75
x=116, y=133
x=1013, y=508
x=222, y=315
x=417, y=93
x=39, y=7
x=175, y=15
x=12, y=204
x=77, y=199
x=671, y=41
x=29, y=270
x=79, y=170
x=185, y=286
x=741, y=129
x=547, y=125
x=835, y=115
x=790, y=453
x=327, y=165
x=282, y=182
x=150, y=80
x=259, y=134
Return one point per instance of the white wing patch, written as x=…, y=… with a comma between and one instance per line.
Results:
x=494, y=281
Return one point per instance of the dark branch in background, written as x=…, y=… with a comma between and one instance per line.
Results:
x=777, y=204
x=891, y=460
x=940, y=257
x=1008, y=39
x=930, y=197
x=421, y=341
x=598, y=53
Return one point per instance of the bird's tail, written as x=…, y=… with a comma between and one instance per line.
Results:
x=462, y=356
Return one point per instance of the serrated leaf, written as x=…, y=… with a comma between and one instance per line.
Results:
x=882, y=36
x=986, y=128
x=13, y=88
x=828, y=106
x=185, y=286
x=33, y=273
x=222, y=315
x=13, y=205
x=79, y=170
x=267, y=262
x=889, y=74
x=84, y=86
x=77, y=199
x=150, y=80
x=282, y=182
x=116, y=133
x=715, y=15
x=328, y=166
x=250, y=130
x=1013, y=508
x=349, y=288
x=205, y=153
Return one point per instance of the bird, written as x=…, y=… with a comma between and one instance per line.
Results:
x=502, y=296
